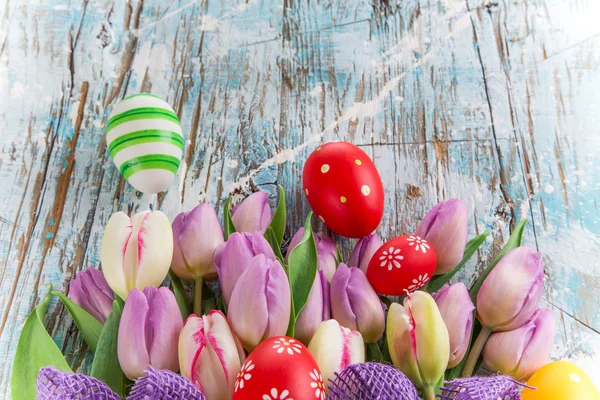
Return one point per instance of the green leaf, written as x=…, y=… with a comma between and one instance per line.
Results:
x=513, y=242
x=276, y=246
x=35, y=350
x=439, y=384
x=291, y=325
x=227, y=222
x=278, y=221
x=302, y=267
x=437, y=282
x=386, y=300
x=338, y=255
x=374, y=354
x=106, y=362
x=89, y=326
x=385, y=351
x=180, y=295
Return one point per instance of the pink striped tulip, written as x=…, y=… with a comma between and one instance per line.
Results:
x=253, y=214
x=210, y=355
x=136, y=252
x=418, y=340
x=335, y=347
x=148, y=331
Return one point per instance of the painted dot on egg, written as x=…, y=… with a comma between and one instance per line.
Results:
x=365, y=190
x=575, y=378
x=318, y=149
x=325, y=168
x=321, y=219
x=343, y=199
x=358, y=162
x=306, y=191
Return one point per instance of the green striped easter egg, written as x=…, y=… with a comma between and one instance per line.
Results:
x=144, y=139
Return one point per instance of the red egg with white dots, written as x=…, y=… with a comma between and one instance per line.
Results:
x=344, y=189
x=280, y=368
x=402, y=265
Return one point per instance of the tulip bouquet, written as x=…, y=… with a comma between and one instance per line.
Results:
x=180, y=311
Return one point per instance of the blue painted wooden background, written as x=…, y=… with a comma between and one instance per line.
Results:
x=495, y=102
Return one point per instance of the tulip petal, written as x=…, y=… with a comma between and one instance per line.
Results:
x=221, y=341
x=340, y=303
x=115, y=241
x=248, y=311
x=191, y=343
x=154, y=248
x=278, y=296
x=327, y=256
x=132, y=343
x=366, y=306
x=164, y=325
x=510, y=294
x=364, y=251
x=253, y=214
x=80, y=297
x=401, y=342
x=537, y=350
x=335, y=347
x=315, y=311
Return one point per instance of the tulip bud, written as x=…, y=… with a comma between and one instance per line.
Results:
x=260, y=304
x=363, y=251
x=233, y=257
x=210, y=355
x=136, y=252
x=326, y=252
x=335, y=347
x=456, y=308
x=196, y=236
x=355, y=305
x=149, y=331
x=523, y=351
x=418, y=340
x=445, y=227
x=510, y=294
x=252, y=214
x=90, y=291
x=316, y=310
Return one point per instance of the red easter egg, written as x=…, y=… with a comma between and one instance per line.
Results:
x=279, y=368
x=401, y=265
x=344, y=189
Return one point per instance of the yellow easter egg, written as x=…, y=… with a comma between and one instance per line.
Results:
x=560, y=380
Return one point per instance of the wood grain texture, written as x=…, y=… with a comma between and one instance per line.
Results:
x=494, y=102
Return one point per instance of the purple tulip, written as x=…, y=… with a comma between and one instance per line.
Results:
x=252, y=214
x=260, y=304
x=90, y=291
x=326, y=252
x=445, y=227
x=510, y=294
x=363, y=251
x=149, y=331
x=355, y=305
x=508, y=297
x=196, y=236
x=456, y=308
x=521, y=352
x=316, y=310
x=233, y=257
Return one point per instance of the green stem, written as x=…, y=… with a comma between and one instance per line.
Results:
x=476, y=351
x=429, y=393
x=198, y=282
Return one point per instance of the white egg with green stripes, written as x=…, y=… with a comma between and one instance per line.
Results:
x=144, y=139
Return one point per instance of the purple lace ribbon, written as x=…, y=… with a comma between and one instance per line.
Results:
x=481, y=388
x=371, y=381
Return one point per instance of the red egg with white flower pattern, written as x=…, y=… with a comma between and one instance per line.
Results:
x=402, y=265
x=280, y=368
x=344, y=189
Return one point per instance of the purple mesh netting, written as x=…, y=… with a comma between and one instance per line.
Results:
x=371, y=381
x=481, y=388
x=164, y=385
x=53, y=384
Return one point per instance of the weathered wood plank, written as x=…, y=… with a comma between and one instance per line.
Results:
x=491, y=102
